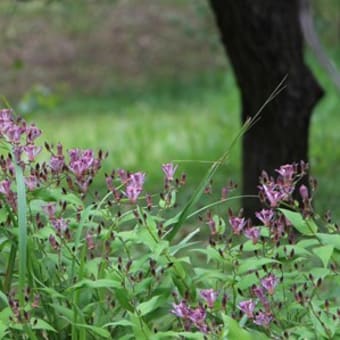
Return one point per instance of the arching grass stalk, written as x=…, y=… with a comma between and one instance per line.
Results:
x=179, y=220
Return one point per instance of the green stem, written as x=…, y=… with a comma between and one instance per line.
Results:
x=10, y=268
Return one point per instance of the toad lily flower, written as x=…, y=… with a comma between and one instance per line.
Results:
x=210, y=296
x=169, y=171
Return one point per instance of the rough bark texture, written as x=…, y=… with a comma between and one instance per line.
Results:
x=264, y=43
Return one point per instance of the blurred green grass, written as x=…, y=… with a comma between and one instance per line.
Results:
x=191, y=124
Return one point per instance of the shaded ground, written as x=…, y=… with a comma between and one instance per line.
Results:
x=100, y=48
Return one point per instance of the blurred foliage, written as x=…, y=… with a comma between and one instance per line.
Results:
x=39, y=97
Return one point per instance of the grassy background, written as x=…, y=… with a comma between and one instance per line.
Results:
x=193, y=124
x=104, y=77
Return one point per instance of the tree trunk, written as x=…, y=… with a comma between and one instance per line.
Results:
x=264, y=42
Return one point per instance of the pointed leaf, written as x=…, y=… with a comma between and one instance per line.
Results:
x=254, y=263
x=152, y=304
x=100, y=331
x=304, y=226
x=331, y=239
x=42, y=324
x=101, y=283
x=324, y=253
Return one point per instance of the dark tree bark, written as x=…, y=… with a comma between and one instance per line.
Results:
x=264, y=43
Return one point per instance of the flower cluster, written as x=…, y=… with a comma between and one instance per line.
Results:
x=280, y=190
x=191, y=316
x=261, y=317
x=84, y=165
x=196, y=317
x=133, y=183
x=240, y=226
x=20, y=136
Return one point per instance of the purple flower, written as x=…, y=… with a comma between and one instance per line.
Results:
x=169, y=170
x=265, y=216
x=123, y=175
x=32, y=132
x=50, y=209
x=134, y=186
x=287, y=172
x=210, y=296
x=32, y=151
x=32, y=182
x=132, y=193
x=14, y=132
x=273, y=195
x=252, y=234
x=17, y=151
x=269, y=283
x=6, y=119
x=56, y=163
x=237, y=223
x=191, y=316
x=260, y=294
x=262, y=319
x=137, y=179
x=197, y=315
x=247, y=307
x=304, y=192
x=80, y=161
x=89, y=241
x=5, y=187
x=60, y=224
x=181, y=310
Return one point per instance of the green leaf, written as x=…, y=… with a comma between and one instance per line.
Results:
x=52, y=292
x=254, y=263
x=302, y=332
x=330, y=239
x=203, y=274
x=123, y=323
x=63, y=311
x=285, y=250
x=232, y=330
x=140, y=328
x=3, y=297
x=308, y=243
x=42, y=324
x=3, y=329
x=152, y=304
x=160, y=248
x=5, y=315
x=101, y=283
x=213, y=254
x=100, y=331
x=303, y=226
x=148, y=235
x=3, y=215
x=122, y=296
x=324, y=253
x=247, y=281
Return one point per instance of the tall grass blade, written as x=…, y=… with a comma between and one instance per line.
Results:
x=22, y=235
x=184, y=214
